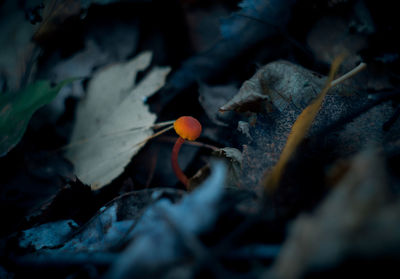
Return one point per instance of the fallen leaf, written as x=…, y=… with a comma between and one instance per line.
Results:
x=55, y=13
x=298, y=131
x=244, y=128
x=171, y=230
x=114, y=222
x=213, y=97
x=356, y=219
x=233, y=154
x=235, y=158
x=17, y=108
x=112, y=121
x=47, y=235
x=280, y=83
x=108, y=228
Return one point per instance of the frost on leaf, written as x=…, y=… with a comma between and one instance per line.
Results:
x=113, y=120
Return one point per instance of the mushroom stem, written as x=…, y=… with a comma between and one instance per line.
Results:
x=175, y=166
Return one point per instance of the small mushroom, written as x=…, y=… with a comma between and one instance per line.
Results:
x=188, y=128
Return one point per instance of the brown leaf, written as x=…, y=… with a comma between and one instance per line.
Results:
x=55, y=13
x=281, y=83
x=298, y=132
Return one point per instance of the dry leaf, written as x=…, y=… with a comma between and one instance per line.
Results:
x=55, y=13
x=353, y=220
x=281, y=83
x=213, y=97
x=298, y=132
x=113, y=121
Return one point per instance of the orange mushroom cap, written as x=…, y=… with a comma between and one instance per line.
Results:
x=187, y=127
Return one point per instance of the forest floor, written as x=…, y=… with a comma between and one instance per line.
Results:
x=293, y=172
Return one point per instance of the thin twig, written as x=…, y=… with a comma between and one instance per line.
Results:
x=193, y=143
x=155, y=135
x=162, y=124
x=348, y=75
x=122, y=132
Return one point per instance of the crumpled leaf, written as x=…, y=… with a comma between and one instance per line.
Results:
x=107, y=229
x=213, y=97
x=151, y=219
x=357, y=219
x=235, y=158
x=17, y=108
x=169, y=228
x=48, y=235
x=298, y=131
x=244, y=128
x=281, y=83
x=113, y=121
x=233, y=154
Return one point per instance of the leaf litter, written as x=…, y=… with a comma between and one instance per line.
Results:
x=334, y=160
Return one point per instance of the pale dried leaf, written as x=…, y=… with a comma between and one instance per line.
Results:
x=235, y=158
x=235, y=155
x=113, y=121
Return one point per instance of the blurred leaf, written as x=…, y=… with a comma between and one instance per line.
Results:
x=109, y=227
x=47, y=235
x=298, y=131
x=172, y=230
x=357, y=219
x=16, y=46
x=17, y=108
x=55, y=13
x=113, y=121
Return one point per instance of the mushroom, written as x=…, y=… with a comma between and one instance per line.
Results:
x=188, y=128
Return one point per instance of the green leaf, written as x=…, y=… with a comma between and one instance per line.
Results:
x=17, y=108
